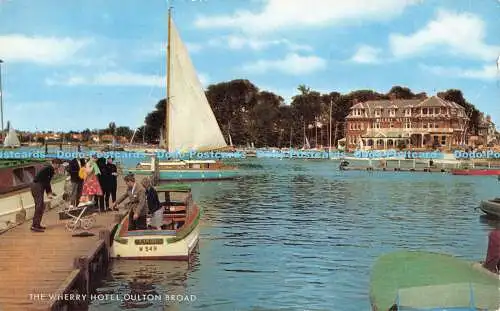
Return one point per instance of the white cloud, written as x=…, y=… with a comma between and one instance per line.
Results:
x=204, y=79
x=109, y=79
x=292, y=64
x=40, y=50
x=280, y=14
x=487, y=72
x=119, y=78
x=236, y=42
x=461, y=34
x=367, y=55
x=193, y=47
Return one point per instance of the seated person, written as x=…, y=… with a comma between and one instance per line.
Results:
x=492, y=261
x=153, y=204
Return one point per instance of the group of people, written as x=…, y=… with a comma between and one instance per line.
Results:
x=96, y=179
x=93, y=179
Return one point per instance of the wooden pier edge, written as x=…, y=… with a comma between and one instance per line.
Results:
x=87, y=270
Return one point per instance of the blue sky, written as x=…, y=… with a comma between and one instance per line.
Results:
x=83, y=63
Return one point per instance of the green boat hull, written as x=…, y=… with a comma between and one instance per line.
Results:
x=431, y=281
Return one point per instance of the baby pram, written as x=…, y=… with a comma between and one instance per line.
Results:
x=81, y=216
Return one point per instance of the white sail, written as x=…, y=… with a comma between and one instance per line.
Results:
x=192, y=123
x=11, y=140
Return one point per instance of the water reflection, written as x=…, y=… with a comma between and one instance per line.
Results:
x=151, y=285
x=302, y=235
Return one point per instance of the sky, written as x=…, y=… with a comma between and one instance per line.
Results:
x=71, y=65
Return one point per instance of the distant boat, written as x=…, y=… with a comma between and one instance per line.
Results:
x=415, y=281
x=11, y=140
x=190, y=122
x=476, y=172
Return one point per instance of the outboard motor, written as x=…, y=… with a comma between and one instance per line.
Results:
x=343, y=165
x=492, y=261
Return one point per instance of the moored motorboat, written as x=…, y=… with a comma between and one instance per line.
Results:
x=176, y=241
x=476, y=172
x=409, y=280
x=16, y=202
x=491, y=207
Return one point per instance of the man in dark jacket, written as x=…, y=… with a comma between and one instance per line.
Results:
x=41, y=184
x=101, y=163
x=76, y=181
x=111, y=180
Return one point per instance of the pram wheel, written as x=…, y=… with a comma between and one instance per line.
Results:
x=88, y=222
x=72, y=225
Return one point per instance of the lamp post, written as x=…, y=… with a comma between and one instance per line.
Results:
x=1, y=96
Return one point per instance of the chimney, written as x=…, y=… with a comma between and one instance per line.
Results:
x=488, y=118
x=392, y=96
x=354, y=101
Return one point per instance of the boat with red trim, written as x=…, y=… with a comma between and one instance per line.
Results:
x=476, y=172
x=177, y=239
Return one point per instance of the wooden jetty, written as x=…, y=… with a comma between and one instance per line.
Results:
x=39, y=271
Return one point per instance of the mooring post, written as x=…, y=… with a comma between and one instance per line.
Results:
x=156, y=169
x=106, y=236
x=82, y=263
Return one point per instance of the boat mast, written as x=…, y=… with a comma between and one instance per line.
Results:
x=167, y=115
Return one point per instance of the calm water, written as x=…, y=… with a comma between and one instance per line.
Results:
x=300, y=235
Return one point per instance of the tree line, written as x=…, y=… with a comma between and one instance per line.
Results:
x=250, y=116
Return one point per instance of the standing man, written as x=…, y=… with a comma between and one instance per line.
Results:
x=111, y=176
x=41, y=184
x=137, y=204
x=76, y=181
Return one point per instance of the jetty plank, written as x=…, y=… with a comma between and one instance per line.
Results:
x=44, y=263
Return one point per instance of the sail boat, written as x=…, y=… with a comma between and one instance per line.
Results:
x=190, y=124
x=11, y=140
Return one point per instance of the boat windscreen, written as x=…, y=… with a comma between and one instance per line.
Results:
x=457, y=296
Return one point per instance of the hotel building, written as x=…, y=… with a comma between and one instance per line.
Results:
x=387, y=124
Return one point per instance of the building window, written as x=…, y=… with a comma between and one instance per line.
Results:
x=443, y=140
x=377, y=112
x=424, y=125
x=407, y=112
x=424, y=111
x=392, y=112
x=437, y=110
